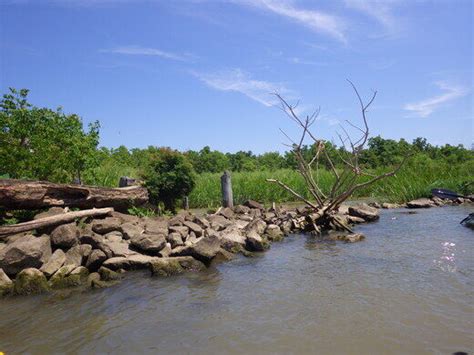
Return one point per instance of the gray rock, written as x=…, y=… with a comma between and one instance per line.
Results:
x=182, y=230
x=54, y=263
x=176, y=221
x=175, y=265
x=193, y=227
x=218, y=222
x=203, y=250
x=114, y=236
x=166, y=251
x=129, y=230
x=137, y=261
x=30, y=281
x=420, y=203
x=254, y=205
x=241, y=209
x=175, y=239
x=69, y=276
x=274, y=232
x=25, y=252
x=352, y=238
x=387, y=205
x=232, y=240
x=202, y=222
x=106, y=225
x=365, y=212
x=255, y=242
x=226, y=212
x=149, y=243
x=65, y=236
x=156, y=226
x=6, y=285
x=93, y=277
x=77, y=255
x=95, y=259
x=258, y=225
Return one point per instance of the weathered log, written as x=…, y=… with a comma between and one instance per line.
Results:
x=23, y=194
x=53, y=220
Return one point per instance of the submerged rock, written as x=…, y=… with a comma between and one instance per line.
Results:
x=175, y=265
x=25, y=252
x=30, y=281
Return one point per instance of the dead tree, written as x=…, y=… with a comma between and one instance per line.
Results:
x=347, y=180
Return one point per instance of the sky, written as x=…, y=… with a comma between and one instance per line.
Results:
x=193, y=73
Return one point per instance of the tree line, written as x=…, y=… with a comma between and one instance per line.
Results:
x=46, y=144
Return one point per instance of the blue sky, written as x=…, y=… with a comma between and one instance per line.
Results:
x=190, y=73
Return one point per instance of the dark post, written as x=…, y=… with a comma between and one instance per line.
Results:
x=226, y=187
x=186, y=203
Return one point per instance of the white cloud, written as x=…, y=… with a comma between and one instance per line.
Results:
x=315, y=20
x=240, y=81
x=426, y=107
x=137, y=50
x=380, y=10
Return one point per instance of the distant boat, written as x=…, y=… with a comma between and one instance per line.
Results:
x=468, y=221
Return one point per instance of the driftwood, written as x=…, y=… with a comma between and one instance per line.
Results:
x=22, y=194
x=53, y=220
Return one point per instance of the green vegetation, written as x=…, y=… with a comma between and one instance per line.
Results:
x=39, y=143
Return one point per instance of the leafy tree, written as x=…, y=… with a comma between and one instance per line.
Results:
x=40, y=143
x=169, y=177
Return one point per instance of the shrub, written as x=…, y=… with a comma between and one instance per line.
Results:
x=169, y=177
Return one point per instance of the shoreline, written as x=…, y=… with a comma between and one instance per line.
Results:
x=95, y=252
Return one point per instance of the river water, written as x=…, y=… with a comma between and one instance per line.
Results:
x=407, y=289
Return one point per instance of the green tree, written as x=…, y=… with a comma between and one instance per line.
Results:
x=40, y=143
x=169, y=177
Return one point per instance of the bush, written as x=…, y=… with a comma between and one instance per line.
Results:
x=169, y=177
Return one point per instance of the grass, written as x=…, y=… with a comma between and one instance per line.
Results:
x=410, y=183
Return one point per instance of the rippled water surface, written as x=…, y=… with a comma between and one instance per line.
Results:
x=408, y=288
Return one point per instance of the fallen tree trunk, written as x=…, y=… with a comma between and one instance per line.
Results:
x=23, y=194
x=53, y=220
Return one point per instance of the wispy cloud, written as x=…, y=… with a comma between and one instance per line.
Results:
x=239, y=81
x=297, y=60
x=316, y=20
x=426, y=107
x=380, y=10
x=146, y=51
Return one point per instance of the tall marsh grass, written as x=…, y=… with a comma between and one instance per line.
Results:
x=411, y=182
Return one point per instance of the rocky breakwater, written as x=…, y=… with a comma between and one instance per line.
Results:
x=95, y=252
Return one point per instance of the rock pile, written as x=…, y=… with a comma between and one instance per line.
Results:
x=95, y=252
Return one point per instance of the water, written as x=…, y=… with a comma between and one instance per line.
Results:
x=407, y=289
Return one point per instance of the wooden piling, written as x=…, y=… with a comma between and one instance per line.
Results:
x=226, y=187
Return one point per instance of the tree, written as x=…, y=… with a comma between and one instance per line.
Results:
x=39, y=143
x=169, y=177
x=351, y=177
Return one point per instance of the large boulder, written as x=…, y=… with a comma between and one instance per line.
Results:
x=149, y=243
x=6, y=285
x=69, y=276
x=203, y=250
x=175, y=265
x=106, y=225
x=108, y=275
x=226, y=212
x=112, y=249
x=30, y=281
x=95, y=260
x=232, y=240
x=258, y=225
x=65, y=236
x=54, y=263
x=25, y=252
x=364, y=211
x=420, y=203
